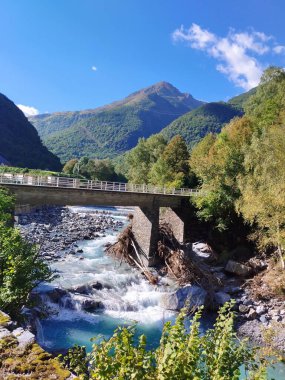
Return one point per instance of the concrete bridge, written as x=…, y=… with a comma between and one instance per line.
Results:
x=147, y=200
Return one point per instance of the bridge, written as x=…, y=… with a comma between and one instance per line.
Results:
x=35, y=190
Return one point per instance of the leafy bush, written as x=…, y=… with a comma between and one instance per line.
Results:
x=21, y=267
x=181, y=355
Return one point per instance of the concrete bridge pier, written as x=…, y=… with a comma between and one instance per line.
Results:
x=145, y=227
x=179, y=220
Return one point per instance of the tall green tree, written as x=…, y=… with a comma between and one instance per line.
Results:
x=262, y=187
x=217, y=161
x=140, y=159
x=172, y=167
x=7, y=205
x=21, y=267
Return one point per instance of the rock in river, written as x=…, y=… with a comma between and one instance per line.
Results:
x=190, y=296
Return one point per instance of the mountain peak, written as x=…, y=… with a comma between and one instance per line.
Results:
x=160, y=88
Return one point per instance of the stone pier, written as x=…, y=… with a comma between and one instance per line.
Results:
x=145, y=227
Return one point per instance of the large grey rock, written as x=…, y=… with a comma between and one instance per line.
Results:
x=221, y=298
x=261, y=309
x=243, y=308
x=56, y=294
x=190, y=295
x=4, y=332
x=238, y=269
x=24, y=337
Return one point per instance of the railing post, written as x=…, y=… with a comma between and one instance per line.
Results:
x=57, y=181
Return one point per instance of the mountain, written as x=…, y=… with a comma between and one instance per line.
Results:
x=20, y=144
x=240, y=100
x=194, y=125
x=115, y=128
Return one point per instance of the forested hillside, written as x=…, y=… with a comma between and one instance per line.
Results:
x=241, y=172
x=20, y=144
x=113, y=129
x=194, y=125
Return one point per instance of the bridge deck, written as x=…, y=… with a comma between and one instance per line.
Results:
x=75, y=183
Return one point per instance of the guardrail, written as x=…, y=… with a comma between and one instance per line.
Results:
x=76, y=183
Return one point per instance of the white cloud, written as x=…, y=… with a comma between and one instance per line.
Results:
x=237, y=52
x=279, y=49
x=28, y=111
x=94, y=68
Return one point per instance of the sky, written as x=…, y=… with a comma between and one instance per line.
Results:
x=65, y=55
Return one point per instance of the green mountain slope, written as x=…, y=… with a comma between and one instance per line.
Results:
x=194, y=125
x=20, y=144
x=240, y=100
x=113, y=129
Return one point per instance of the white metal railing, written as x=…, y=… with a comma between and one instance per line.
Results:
x=76, y=183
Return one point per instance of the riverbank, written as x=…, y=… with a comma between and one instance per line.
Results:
x=58, y=231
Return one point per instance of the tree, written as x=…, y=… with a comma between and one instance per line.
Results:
x=217, y=161
x=269, y=100
x=262, y=187
x=21, y=267
x=7, y=205
x=172, y=167
x=69, y=166
x=141, y=158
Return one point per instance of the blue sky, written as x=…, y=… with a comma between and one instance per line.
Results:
x=212, y=49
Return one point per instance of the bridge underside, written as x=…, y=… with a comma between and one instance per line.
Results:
x=145, y=224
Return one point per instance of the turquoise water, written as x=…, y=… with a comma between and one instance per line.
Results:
x=127, y=298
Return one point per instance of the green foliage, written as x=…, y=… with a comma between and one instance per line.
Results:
x=242, y=169
x=7, y=205
x=240, y=101
x=156, y=162
x=194, y=125
x=76, y=361
x=20, y=143
x=181, y=355
x=217, y=162
x=263, y=188
x=111, y=130
x=172, y=167
x=101, y=170
x=21, y=269
x=140, y=160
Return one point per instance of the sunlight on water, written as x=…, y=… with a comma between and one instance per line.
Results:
x=127, y=298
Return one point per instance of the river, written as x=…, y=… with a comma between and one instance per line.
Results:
x=125, y=296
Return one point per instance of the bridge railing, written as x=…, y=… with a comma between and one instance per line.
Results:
x=76, y=183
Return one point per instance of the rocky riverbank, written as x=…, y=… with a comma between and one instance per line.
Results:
x=57, y=229
x=21, y=357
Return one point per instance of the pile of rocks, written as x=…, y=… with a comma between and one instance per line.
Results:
x=21, y=357
x=8, y=329
x=57, y=229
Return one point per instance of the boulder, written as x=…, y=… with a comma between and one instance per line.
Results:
x=24, y=337
x=221, y=298
x=243, y=308
x=4, y=332
x=261, y=309
x=97, y=285
x=56, y=294
x=252, y=314
x=81, y=289
x=190, y=295
x=238, y=268
x=91, y=305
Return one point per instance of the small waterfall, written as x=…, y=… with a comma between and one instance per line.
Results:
x=40, y=333
x=94, y=294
